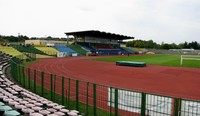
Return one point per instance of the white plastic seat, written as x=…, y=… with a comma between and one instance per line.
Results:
x=51, y=110
x=36, y=108
x=23, y=102
x=64, y=110
x=35, y=114
x=19, y=107
x=44, y=112
x=27, y=110
x=29, y=105
x=59, y=113
x=72, y=114
x=7, y=100
x=38, y=104
x=12, y=103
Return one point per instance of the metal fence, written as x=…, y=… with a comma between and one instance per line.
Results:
x=99, y=100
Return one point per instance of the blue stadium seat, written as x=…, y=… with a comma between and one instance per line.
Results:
x=65, y=49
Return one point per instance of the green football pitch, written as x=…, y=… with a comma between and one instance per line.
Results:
x=157, y=59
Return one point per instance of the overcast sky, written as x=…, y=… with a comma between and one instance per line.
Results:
x=169, y=21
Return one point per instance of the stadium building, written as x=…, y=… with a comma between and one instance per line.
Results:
x=86, y=43
x=101, y=43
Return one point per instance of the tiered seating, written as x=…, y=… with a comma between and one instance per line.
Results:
x=139, y=50
x=65, y=49
x=9, y=50
x=47, y=50
x=111, y=51
x=133, y=50
x=17, y=101
x=104, y=47
x=28, y=49
x=78, y=49
x=124, y=51
x=86, y=46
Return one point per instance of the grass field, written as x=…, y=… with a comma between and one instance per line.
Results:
x=158, y=59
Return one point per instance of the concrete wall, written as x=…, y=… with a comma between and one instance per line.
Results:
x=44, y=42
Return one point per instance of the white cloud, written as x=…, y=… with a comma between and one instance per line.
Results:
x=160, y=20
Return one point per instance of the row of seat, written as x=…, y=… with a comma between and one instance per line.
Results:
x=64, y=48
x=27, y=48
x=15, y=100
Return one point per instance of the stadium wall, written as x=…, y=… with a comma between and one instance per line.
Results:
x=44, y=42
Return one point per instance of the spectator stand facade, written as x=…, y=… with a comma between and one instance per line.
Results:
x=100, y=43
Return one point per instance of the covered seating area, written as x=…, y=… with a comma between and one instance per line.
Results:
x=102, y=43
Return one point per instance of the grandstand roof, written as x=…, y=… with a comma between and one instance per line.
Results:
x=95, y=33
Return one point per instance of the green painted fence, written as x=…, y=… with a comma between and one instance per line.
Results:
x=99, y=100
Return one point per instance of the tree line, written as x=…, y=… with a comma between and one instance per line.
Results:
x=22, y=38
x=154, y=45
x=134, y=43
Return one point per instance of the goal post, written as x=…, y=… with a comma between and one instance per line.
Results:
x=189, y=57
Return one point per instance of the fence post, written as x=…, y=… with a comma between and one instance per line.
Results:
x=116, y=102
x=19, y=73
x=42, y=84
x=87, y=87
x=29, y=77
x=143, y=104
x=94, y=99
x=180, y=104
x=34, y=81
x=63, y=86
x=68, y=97
x=51, y=77
x=15, y=72
x=110, y=101
x=177, y=106
x=11, y=65
x=77, y=95
x=23, y=75
x=54, y=88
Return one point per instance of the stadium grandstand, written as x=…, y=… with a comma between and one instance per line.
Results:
x=83, y=43
x=100, y=43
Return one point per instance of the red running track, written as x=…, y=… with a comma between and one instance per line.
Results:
x=164, y=80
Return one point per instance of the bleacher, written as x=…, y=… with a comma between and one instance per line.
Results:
x=17, y=101
x=47, y=50
x=63, y=48
x=103, y=49
x=27, y=49
x=132, y=50
x=109, y=50
x=78, y=49
x=9, y=50
x=86, y=46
